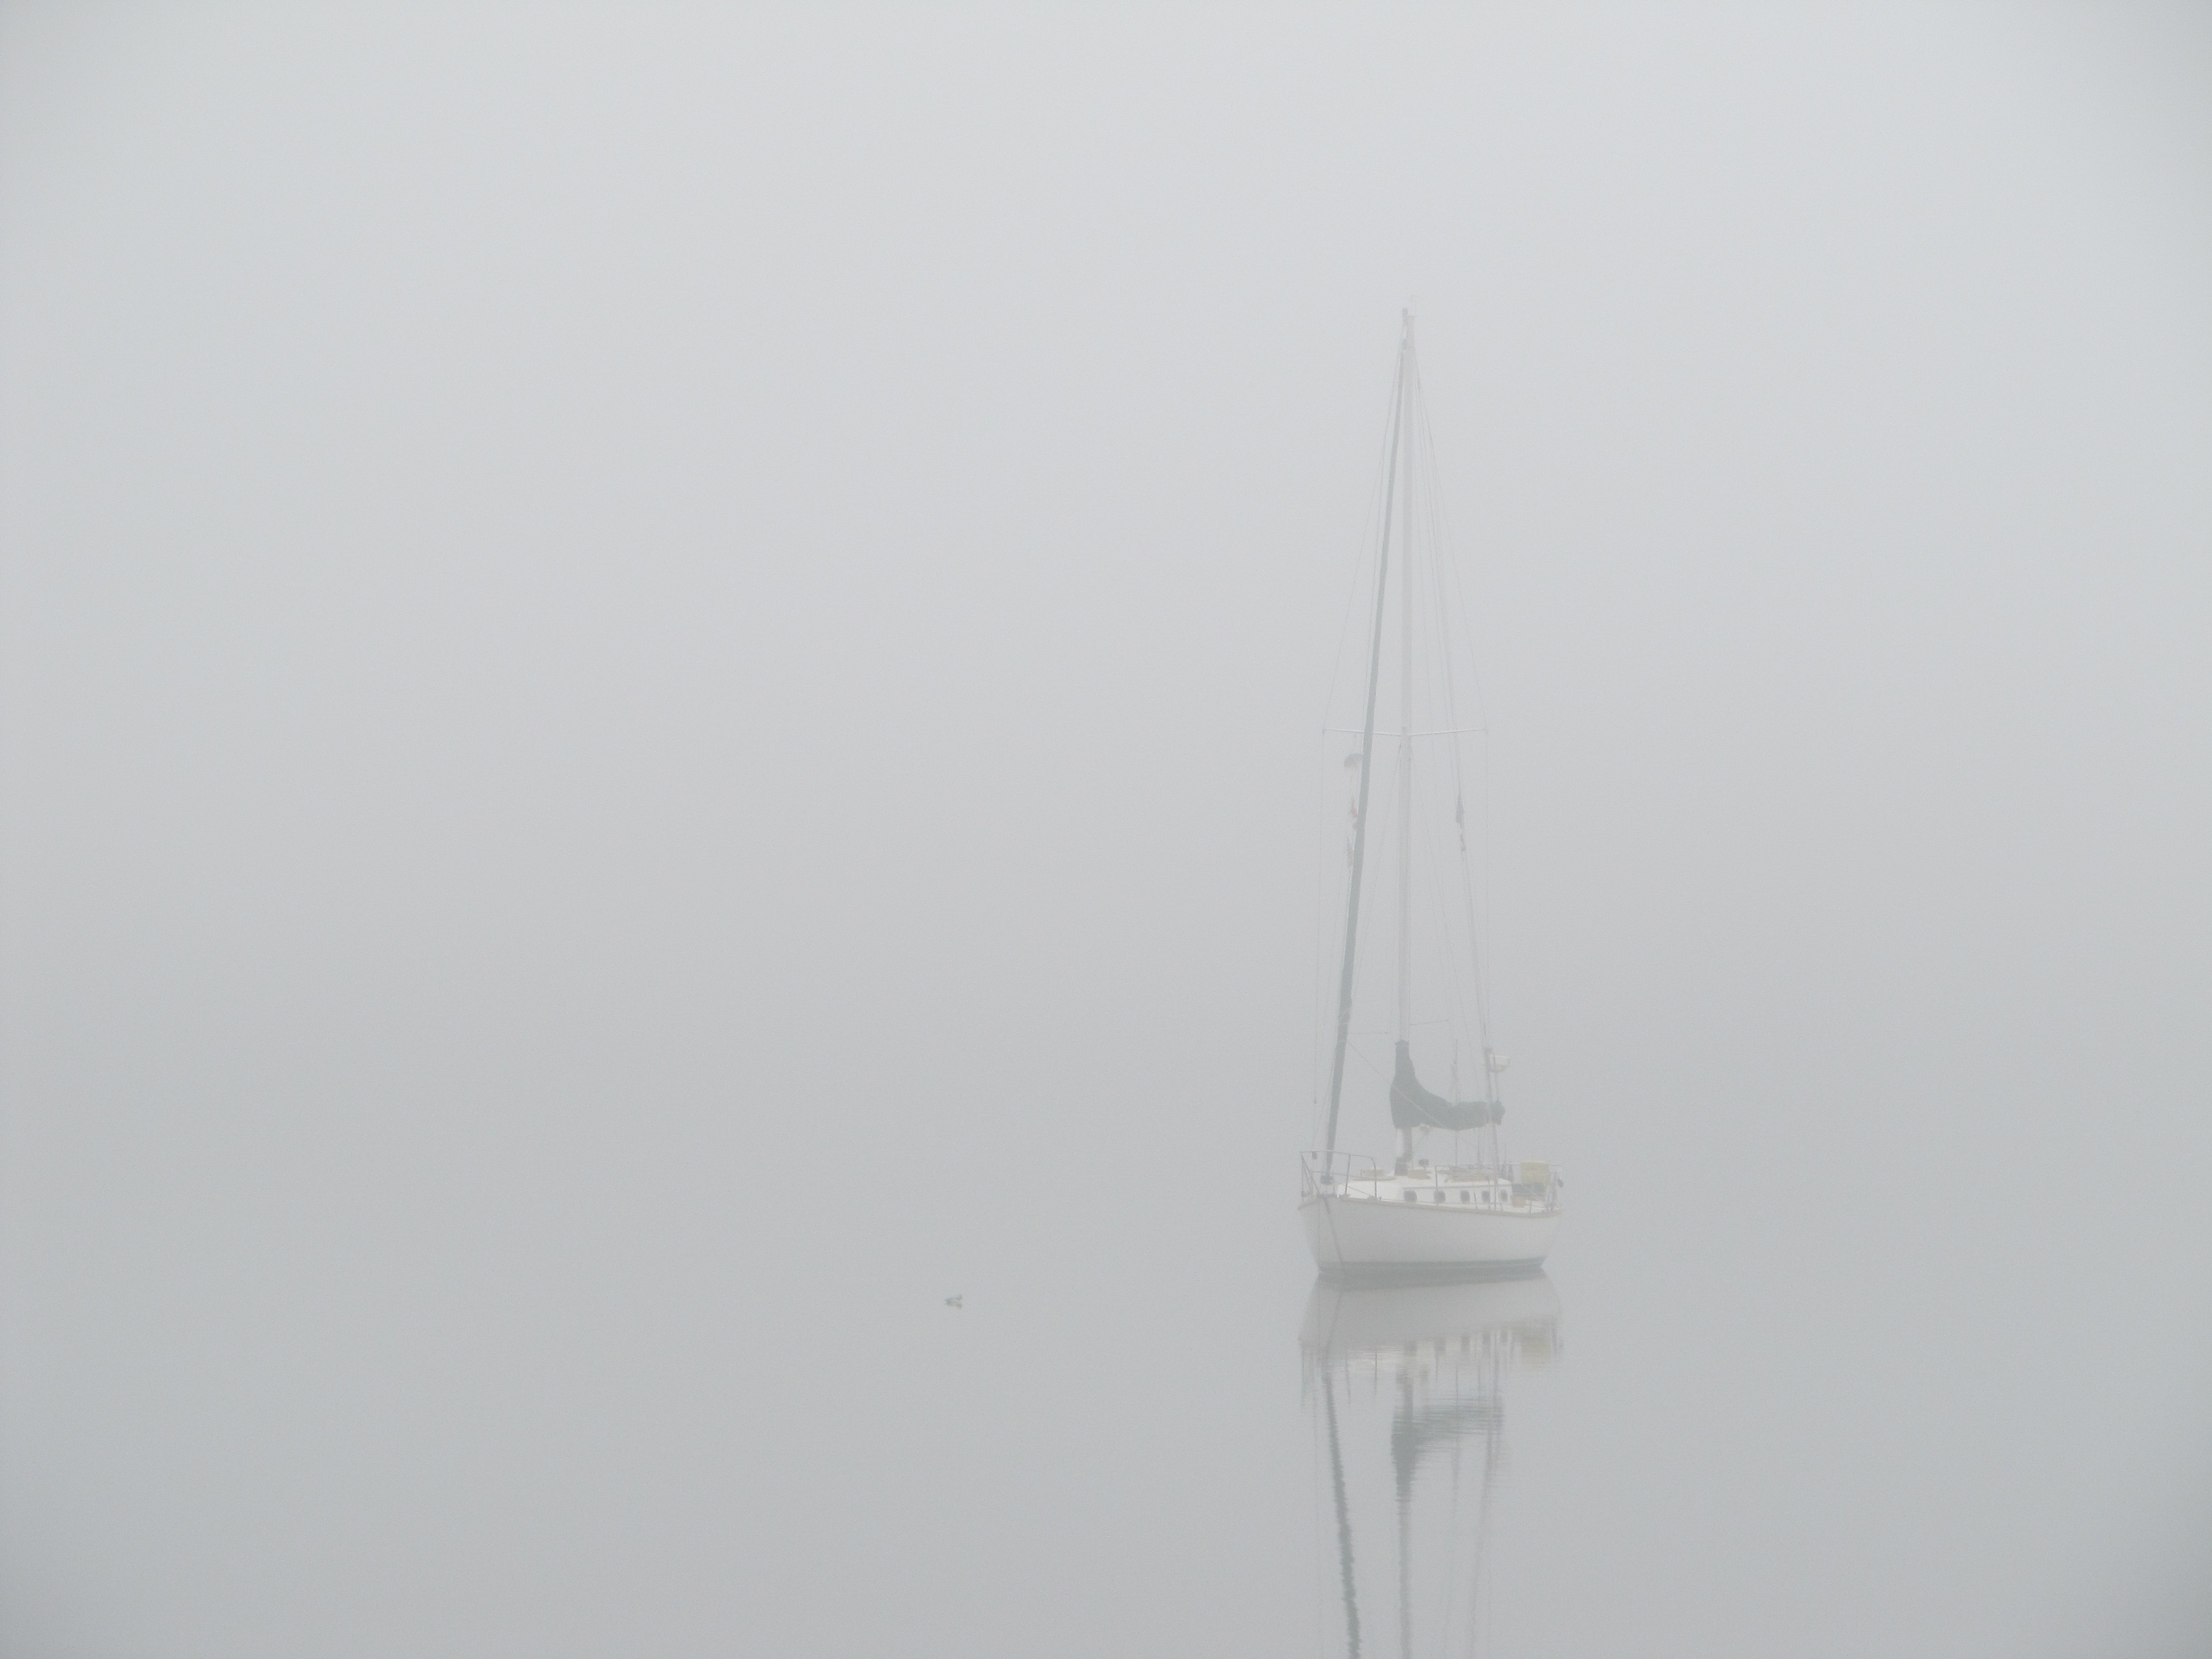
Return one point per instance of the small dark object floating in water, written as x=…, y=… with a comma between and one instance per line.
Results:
x=960, y=1301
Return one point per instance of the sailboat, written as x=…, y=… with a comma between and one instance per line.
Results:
x=1432, y=1209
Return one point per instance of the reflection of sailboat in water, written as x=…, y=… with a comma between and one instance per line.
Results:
x=1434, y=1359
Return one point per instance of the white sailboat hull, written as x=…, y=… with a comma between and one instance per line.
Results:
x=1357, y=1238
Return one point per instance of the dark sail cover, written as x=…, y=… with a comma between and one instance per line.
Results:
x=1413, y=1106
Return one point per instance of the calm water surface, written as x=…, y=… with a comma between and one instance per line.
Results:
x=541, y=1432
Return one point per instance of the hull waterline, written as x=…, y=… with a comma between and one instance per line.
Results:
x=1355, y=1238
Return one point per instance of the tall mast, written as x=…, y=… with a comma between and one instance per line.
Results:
x=1405, y=753
x=1367, y=744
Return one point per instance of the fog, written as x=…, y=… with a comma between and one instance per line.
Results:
x=661, y=671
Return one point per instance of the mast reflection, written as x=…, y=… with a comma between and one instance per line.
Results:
x=1430, y=1361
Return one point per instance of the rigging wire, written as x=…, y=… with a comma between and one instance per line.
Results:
x=1438, y=678
x=1447, y=588
x=1435, y=666
x=1376, y=523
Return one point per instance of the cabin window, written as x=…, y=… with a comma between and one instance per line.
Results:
x=1439, y=1195
x=1465, y=1197
x=1412, y=1197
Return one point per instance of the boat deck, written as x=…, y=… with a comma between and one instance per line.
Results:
x=1525, y=1189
